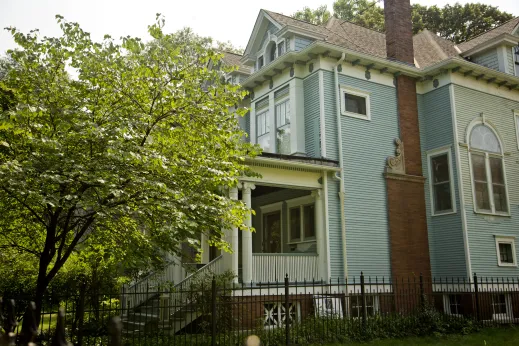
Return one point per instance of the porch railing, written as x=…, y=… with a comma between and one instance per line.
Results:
x=271, y=267
x=137, y=293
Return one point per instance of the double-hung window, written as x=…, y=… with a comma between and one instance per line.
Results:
x=263, y=124
x=301, y=219
x=282, y=110
x=516, y=122
x=488, y=176
x=516, y=59
x=441, y=182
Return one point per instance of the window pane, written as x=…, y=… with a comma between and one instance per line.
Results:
x=496, y=170
x=500, y=202
x=482, y=200
x=309, y=221
x=264, y=142
x=287, y=112
x=505, y=253
x=478, y=167
x=484, y=138
x=499, y=303
x=442, y=197
x=273, y=52
x=440, y=168
x=283, y=140
x=295, y=223
x=355, y=104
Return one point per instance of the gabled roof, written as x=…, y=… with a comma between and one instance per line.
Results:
x=506, y=28
x=233, y=59
x=430, y=49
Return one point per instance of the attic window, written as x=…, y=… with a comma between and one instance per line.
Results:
x=260, y=62
x=273, y=52
x=355, y=103
x=281, y=48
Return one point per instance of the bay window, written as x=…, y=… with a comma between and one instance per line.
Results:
x=488, y=177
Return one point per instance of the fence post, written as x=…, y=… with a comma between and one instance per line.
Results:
x=213, y=312
x=287, y=312
x=476, y=294
x=422, y=293
x=363, y=300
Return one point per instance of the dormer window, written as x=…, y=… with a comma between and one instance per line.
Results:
x=260, y=62
x=272, y=52
x=281, y=48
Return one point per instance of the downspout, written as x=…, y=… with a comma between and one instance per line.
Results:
x=341, y=178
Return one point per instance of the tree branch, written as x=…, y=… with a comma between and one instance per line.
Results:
x=33, y=212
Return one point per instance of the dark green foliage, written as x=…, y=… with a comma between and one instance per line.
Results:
x=456, y=22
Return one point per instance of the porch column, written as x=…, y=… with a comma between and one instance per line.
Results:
x=233, y=194
x=247, y=235
x=319, y=234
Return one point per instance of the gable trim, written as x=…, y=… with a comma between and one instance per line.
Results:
x=262, y=15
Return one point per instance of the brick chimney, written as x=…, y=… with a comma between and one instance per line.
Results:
x=404, y=178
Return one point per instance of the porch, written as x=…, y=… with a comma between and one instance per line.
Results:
x=290, y=236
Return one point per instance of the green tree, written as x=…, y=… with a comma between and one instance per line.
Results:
x=456, y=22
x=126, y=159
x=318, y=16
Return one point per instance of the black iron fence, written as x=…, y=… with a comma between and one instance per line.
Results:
x=218, y=312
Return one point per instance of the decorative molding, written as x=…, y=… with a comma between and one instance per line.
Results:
x=316, y=194
x=396, y=164
x=247, y=187
x=405, y=177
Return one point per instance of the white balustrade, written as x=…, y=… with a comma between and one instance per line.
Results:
x=274, y=267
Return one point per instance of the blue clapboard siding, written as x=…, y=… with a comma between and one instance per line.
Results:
x=481, y=229
x=366, y=145
x=488, y=59
x=301, y=42
x=312, y=119
x=446, y=246
x=267, y=199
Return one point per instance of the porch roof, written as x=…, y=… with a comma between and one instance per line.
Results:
x=318, y=164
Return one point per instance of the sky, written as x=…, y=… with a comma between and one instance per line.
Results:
x=224, y=20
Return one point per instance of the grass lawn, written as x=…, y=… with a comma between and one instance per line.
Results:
x=487, y=337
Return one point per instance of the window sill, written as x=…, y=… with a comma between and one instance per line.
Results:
x=446, y=213
x=356, y=115
x=509, y=265
x=489, y=213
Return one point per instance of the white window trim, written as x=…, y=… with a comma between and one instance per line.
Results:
x=492, y=211
x=505, y=240
x=431, y=154
x=516, y=123
x=447, y=303
x=356, y=92
x=508, y=303
x=300, y=202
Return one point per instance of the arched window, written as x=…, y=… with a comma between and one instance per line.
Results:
x=488, y=174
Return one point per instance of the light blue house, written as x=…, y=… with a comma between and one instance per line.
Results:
x=387, y=154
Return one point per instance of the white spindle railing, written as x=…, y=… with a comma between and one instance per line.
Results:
x=274, y=267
